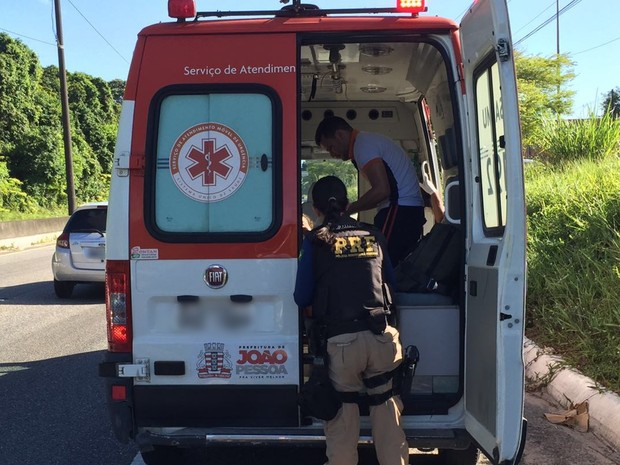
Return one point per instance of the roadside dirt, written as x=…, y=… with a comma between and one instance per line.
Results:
x=549, y=444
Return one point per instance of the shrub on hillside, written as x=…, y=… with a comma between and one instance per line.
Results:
x=12, y=198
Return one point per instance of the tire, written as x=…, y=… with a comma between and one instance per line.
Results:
x=63, y=289
x=164, y=455
x=467, y=456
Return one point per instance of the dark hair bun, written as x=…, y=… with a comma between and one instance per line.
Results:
x=329, y=195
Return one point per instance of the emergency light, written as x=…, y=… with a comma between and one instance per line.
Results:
x=411, y=6
x=182, y=9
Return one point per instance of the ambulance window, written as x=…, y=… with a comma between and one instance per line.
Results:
x=215, y=166
x=490, y=122
x=314, y=169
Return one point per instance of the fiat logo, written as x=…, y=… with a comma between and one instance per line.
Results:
x=216, y=276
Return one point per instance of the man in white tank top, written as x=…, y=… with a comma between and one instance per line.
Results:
x=395, y=190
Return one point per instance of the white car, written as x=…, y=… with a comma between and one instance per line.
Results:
x=80, y=249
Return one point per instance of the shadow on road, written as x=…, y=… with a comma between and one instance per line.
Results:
x=54, y=412
x=42, y=293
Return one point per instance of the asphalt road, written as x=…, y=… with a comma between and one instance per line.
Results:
x=52, y=407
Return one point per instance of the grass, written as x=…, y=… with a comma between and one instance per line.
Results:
x=564, y=141
x=574, y=263
x=37, y=214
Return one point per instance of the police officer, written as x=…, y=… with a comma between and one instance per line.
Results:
x=341, y=274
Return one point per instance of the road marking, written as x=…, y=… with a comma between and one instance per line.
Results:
x=138, y=460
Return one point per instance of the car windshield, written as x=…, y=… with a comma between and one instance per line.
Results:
x=88, y=220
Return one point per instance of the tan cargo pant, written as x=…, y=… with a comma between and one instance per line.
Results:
x=352, y=357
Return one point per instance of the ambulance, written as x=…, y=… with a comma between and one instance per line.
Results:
x=215, y=157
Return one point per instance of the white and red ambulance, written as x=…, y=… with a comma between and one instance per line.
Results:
x=214, y=159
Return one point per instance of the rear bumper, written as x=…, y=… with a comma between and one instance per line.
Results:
x=229, y=415
x=312, y=435
x=64, y=270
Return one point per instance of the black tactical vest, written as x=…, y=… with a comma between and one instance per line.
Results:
x=348, y=276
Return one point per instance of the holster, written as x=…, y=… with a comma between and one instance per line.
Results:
x=317, y=397
x=411, y=357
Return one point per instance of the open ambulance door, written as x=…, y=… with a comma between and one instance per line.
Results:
x=495, y=265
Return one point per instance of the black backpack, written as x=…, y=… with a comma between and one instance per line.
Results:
x=435, y=263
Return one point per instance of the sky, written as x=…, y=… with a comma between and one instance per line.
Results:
x=99, y=35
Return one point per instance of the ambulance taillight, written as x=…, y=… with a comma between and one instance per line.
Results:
x=411, y=6
x=118, y=306
x=182, y=9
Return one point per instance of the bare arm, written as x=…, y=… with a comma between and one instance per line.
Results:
x=429, y=187
x=437, y=206
x=379, y=187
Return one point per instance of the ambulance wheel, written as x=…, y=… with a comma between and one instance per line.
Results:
x=63, y=289
x=164, y=455
x=467, y=456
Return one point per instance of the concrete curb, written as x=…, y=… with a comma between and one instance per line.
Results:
x=567, y=386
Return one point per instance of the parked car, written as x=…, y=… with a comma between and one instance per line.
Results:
x=80, y=249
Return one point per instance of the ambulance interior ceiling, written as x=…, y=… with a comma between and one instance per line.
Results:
x=388, y=77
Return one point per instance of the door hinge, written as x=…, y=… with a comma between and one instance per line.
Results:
x=503, y=50
x=140, y=370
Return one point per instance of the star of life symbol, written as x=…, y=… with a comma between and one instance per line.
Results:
x=214, y=361
x=209, y=162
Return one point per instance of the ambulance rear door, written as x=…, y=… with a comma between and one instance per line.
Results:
x=495, y=265
x=214, y=228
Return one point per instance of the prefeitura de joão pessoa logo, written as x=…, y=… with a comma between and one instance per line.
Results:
x=209, y=162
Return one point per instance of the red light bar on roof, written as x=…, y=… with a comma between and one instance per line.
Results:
x=411, y=6
x=182, y=9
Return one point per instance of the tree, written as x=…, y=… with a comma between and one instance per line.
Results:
x=32, y=165
x=316, y=169
x=611, y=103
x=19, y=76
x=117, y=86
x=543, y=90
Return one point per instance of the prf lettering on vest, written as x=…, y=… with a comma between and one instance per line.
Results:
x=355, y=247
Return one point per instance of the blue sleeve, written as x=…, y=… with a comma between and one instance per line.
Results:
x=304, y=282
x=388, y=271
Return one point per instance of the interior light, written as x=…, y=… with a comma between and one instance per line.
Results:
x=182, y=9
x=373, y=89
x=375, y=50
x=372, y=69
x=411, y=6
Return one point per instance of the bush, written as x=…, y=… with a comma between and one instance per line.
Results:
x=574, y=263
x=12, y=198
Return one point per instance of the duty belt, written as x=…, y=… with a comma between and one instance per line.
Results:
x=334, y=328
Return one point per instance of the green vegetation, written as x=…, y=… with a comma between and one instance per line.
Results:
x=563, y=141
x=611, y=102
x=316, y=169
x=574, y=261
x=543, y=86
x=32, y=165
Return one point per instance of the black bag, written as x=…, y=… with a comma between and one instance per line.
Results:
x=435, y=263
x=317, y=397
